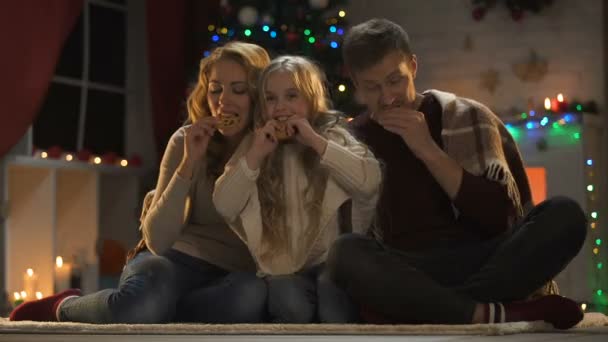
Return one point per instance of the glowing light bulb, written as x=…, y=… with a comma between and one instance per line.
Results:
x=547, y=103
x=560, y=97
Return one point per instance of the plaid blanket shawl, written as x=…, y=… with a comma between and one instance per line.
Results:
x=475, y=137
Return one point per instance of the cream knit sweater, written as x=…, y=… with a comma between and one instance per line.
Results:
x=354, y=174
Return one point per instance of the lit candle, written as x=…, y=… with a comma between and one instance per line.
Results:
x=30, y=283
x=18, y=299
x=63, y=272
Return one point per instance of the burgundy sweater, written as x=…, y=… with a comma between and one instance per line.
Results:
x=414, y=212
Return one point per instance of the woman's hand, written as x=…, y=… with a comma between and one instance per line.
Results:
x=196, y=141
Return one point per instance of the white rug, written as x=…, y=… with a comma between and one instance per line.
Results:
x=29, y=327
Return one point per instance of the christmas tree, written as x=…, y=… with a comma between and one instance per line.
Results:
x=311, y=28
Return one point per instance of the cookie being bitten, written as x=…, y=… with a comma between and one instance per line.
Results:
x=281, y=128
x=227, y=121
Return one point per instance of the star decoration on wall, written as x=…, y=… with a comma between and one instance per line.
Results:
x=489, y=80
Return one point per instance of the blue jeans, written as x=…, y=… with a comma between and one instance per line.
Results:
x=308, y=297
x=173, y=287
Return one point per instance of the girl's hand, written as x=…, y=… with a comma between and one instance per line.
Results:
x=303, y=132
x=264, y=143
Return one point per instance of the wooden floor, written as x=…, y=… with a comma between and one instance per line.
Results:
x=582, y=335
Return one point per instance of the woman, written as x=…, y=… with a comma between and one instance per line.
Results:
x=193, y=267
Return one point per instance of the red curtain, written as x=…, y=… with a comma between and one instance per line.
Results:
x=166, y=56
x=174, y=43
x=32, y=34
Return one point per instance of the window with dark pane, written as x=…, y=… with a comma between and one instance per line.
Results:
x=57, y=121
x=105, y=122
x=108, y=45
x=72, y=55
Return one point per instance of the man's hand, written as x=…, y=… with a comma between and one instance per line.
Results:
x=411, y=126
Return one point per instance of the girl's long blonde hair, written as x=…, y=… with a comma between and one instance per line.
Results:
x=310, y=81
x=253, y=58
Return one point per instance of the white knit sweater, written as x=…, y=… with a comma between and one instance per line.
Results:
x=354, y=174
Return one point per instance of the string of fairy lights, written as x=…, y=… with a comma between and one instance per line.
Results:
x=332, y=37
x=562, y=119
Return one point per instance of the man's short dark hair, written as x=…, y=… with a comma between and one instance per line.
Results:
x=367, y=43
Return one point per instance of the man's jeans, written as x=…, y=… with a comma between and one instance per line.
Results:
x=443, y=285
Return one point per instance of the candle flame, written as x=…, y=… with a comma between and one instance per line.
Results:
x=547, y=103
x=30, y=272
x=38, y=295
x=17, y=295
x=560, y=97
x=59, y=261
x=23, y=294
x=584, y=306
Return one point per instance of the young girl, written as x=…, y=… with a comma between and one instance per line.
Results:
x=192, y=267
x=282, y=197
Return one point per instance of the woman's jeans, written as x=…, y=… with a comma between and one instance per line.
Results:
x=173, y=287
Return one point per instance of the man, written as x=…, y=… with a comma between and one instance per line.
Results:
x=455, y=246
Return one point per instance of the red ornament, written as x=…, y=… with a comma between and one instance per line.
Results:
x=83, y=155
x=554, y=105
x=54, y=152
x=292, y=37
x=109, y=158
x=479, y=13
x=135, y=160
x=517, y=15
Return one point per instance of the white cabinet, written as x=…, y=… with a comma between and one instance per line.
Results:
x=60, y=208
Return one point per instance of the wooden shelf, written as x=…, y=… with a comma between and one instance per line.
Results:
x=75, y=165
